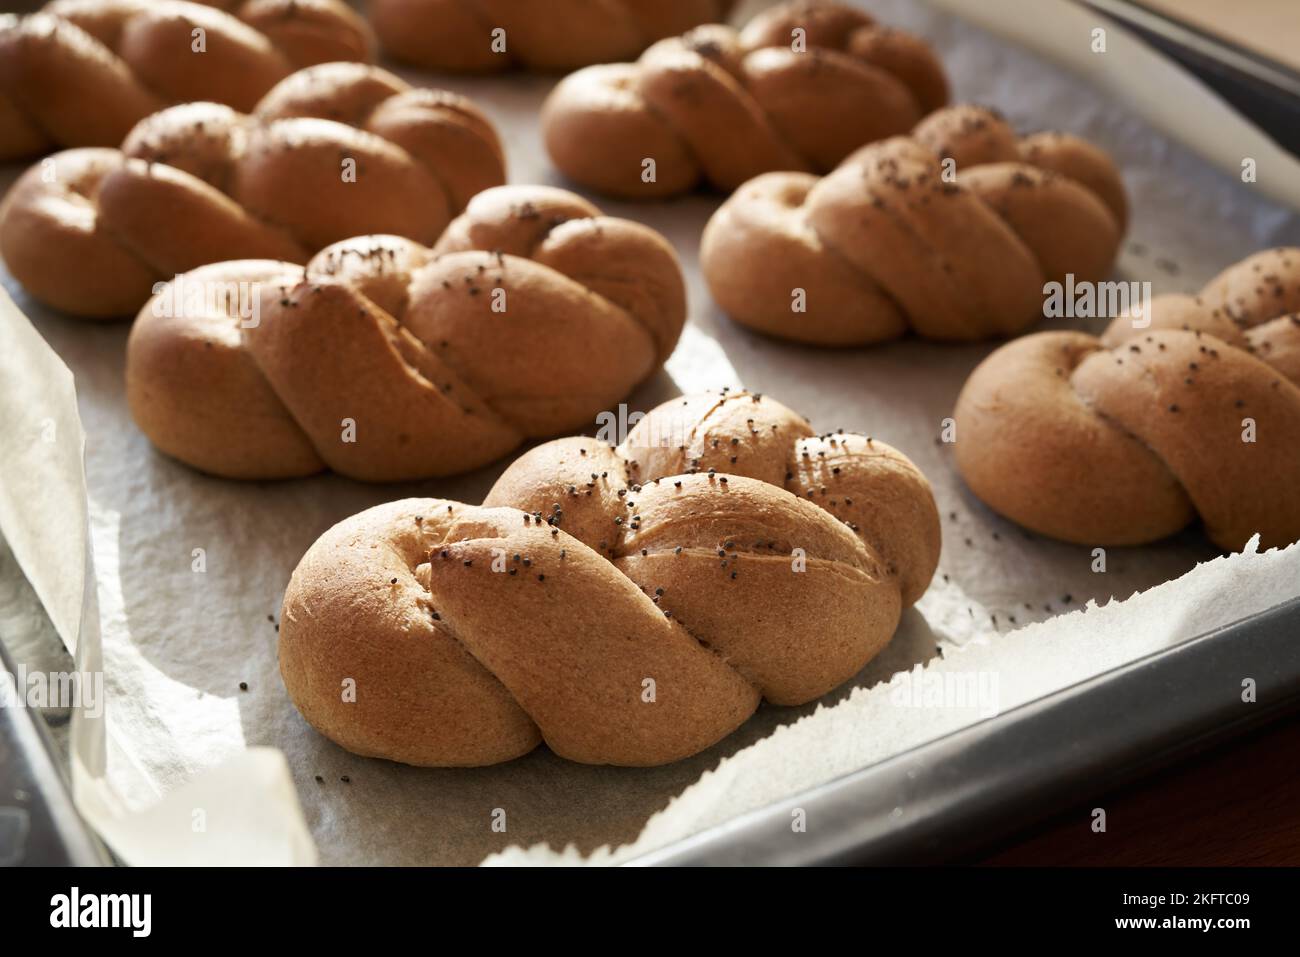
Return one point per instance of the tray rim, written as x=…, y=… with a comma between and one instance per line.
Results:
x=860, y=816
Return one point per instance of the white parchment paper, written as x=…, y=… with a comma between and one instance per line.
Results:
x=182, y=744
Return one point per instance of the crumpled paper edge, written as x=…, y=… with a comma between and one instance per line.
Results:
x=250, y=809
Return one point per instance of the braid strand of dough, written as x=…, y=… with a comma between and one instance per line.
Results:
x=130, y=58
x=724, y=106
x=1125, y=439
x=92, y=231
x=474, y=633
x=531, y=314
x=891, y=241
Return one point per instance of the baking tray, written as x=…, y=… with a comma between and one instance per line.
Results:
x=937, y=803
x=38, y=823
x=945, y=800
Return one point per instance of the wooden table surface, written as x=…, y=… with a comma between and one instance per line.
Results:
x=1238, y=804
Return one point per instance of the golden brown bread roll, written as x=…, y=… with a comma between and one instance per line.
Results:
x=1125, y=439
x=457, y=36
x=951, y=232
x=872, y=488
x=385, y=360
x=802, y=86
x=636, y=619
x=83, y=72
x=332, y=151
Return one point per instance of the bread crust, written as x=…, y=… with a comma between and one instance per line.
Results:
x=869, y=486
x=387, y=360
x=85, y=231
x=951, y=232
x=720, y=106
x=1124, y=439
x=131, y=58
x=456, y=36
x=637, y=619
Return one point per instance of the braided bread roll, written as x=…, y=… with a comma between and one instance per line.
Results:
x=92, y=231
x=622, y=614
x=722, y=107
x=457, y=35
x=951, y=232
x=385, y=360
x=1125, y=439
x=130, y=58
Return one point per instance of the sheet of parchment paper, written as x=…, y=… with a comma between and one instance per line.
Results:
x=178, y=642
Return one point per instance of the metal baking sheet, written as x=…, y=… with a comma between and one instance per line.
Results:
x=961, y=793
x=38, y=824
